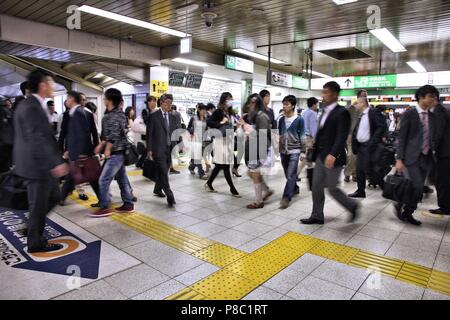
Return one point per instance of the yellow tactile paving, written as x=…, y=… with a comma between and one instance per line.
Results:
x=241, y=273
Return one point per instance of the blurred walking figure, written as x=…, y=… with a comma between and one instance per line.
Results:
x=37, y=158
x=330, y=155
x=113, y=145
x=223, y=145
x=257, y=145
x=291, y=128
x=310, y=120
x=6, y=135
x=197, y=128
x=350, y=168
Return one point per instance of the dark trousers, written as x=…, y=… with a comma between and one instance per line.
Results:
x=162, y=179
x=417, y=173
x=43, y=195
x=363, y=167
x=199, y=167
x=227, y=174
x=290, y=167
x=69, y=186
x=443, y=184
x=5, y=158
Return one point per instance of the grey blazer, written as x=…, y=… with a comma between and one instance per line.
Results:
x=36, y=151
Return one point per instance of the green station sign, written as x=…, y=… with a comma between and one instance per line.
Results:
x=300, y=83
x=378, y=81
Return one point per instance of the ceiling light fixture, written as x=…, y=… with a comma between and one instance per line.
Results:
x=99, y=75
x=340, y=2
x=132, y=21
x=385, y=36
x=190, y=62
x=417, y=66
x=322, y=75
x=258, y=56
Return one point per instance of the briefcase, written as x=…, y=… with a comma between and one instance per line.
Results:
x=13, y=192
x=309, y=176
x=85, y=170
x=398, y=188
x=150, y=170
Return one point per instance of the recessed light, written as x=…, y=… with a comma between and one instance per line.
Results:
x=132, y=21
x=340, y=2
x=385, y=36
x=190, y=62
x=416, y=66
x=322, y=75
x=258, y=56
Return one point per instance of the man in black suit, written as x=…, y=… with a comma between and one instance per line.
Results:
x=414, y=150
x=161, y=125
x=441, y=148
x=81, y=140
x=330, y=155
x=37, y=158
x=368, y=133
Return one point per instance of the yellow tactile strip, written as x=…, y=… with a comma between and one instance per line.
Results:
x=241, y=272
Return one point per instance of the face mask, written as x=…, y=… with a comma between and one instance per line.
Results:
x=229, y=103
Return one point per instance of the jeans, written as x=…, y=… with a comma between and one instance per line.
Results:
x=114, y=167
x=290, y=166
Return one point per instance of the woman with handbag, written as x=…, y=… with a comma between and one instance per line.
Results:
x=223, y=145
x=115, y=147
x=257, y=129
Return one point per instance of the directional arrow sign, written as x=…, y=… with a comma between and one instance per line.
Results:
x=75, y=255
x=348, y=82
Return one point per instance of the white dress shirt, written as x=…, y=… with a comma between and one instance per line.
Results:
x=73, y=110
x=363, y=134
x=326, y=112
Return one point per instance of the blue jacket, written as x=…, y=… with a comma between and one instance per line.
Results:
x=291, y=138
x=81, y=137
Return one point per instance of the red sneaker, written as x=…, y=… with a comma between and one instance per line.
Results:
x=101, y=213
x=126, y=208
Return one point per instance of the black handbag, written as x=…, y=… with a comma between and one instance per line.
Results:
x=13, y=192
x=150, y=170
x=398, y=188
x=311, y=154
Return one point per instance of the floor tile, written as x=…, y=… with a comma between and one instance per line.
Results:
x=264, y=294
x=313, y=288
x=162, y=291
x=386, y=288
x=99, y=290
x=341, y=274
x=369, y=244
x=196, y=274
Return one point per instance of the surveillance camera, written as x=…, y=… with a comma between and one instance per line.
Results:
x=209, y=13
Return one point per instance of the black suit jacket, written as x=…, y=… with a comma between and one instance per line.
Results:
x=35, y=148
x=332, y=137
x=81, y=139
x=378, y=129
x=410, y=137
x=441, y=132
x=159, y=136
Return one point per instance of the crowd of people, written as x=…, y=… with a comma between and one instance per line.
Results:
x=41, y=147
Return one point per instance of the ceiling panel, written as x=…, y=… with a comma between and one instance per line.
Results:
x=423, y=26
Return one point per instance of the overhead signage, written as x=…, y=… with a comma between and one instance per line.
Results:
x=279, y=79
x=75, y=252
x=158, y=88
x=300, y=83
x=193, y=81
x=379, y=81
x=239, y=64
x=176, y=78
x=186, y=45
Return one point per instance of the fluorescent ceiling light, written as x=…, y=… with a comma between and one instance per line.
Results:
x=258, y=56
x=190, y=62
x=99, y=75
x=385, y=36
x=339, y=2
x=416, y=66
x=214, y=77
x=322, y=75
x=132, y=21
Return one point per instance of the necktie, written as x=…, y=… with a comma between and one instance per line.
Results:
x=426, y=133
x=166, y=119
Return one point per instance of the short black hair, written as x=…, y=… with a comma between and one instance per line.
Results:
x=264, y=93
x=312, y=101
x=291, y=99
x=91, y=106
x=210, y=106
x=24, y=86
x=166, y=96
x=174, y=108
x=115, y=96
x=50, y=103
x=150, y=99
x=75, y=95
x=428, y=89
x=333, y=86
x=36, y=77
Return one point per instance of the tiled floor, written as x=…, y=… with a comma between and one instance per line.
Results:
x=133, y=266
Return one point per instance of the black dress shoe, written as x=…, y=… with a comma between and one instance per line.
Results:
x=171, y=204
x=47, y=248
x=357, y=195
x=347, y=179
x=439, y=212
x=96, y=205
x=354, y=213
x=83, y=197
x=311, y=221
x=159, y=195
x=412, y=220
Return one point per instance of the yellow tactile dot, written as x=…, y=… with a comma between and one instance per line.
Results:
x=224, y=285
x=385, y=265
x=334, y=251
x=219, y=254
